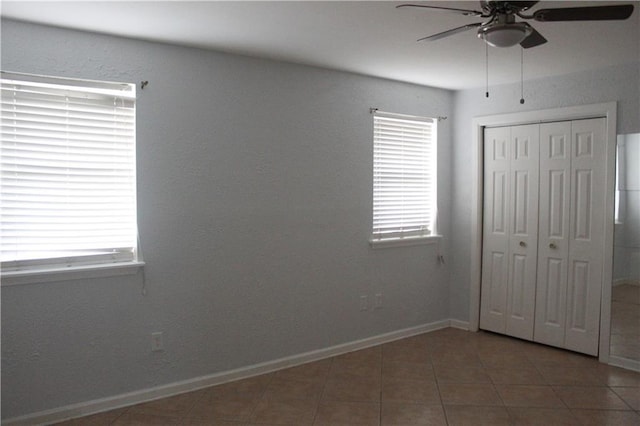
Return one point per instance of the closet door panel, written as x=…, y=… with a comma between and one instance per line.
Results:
x=554, y=283
x=495, y=251
x=523, y=232
x=553, y=247
x=588, y=187
x=543, y=227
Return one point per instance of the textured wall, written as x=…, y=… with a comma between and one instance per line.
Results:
x=619, y=84
x=254, y=181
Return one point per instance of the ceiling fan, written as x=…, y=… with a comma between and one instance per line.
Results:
x=500, y=28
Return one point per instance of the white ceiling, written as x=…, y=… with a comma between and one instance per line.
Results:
x=366, y=37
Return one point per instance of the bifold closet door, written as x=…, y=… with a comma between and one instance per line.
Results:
x=495, y=236
x=510, y=230
x=572, y=188
x=553, y=251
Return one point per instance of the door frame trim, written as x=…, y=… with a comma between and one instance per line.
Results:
x=607, y=110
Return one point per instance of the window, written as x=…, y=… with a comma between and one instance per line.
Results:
x=404, y=177
x=68, y=173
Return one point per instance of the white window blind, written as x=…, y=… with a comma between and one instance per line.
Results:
x=404, y=176
x=68, y=172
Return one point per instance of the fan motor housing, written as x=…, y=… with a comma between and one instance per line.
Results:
x=502, y=34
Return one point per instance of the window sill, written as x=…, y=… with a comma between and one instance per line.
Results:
x=69, y=273
x=404, y=242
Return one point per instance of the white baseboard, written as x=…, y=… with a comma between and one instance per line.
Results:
x=462, y=325
x=630, y=281
x=145, y=395
x=629, y=364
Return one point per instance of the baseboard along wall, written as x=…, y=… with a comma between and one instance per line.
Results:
x=176, y=388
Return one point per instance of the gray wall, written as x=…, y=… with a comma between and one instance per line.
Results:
x=619, y=84
x=254, y=198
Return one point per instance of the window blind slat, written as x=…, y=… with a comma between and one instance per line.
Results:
x=404, y=176
x=68, y=172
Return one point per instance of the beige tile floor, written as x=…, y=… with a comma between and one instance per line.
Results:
x=625, y=321
x=447, y=377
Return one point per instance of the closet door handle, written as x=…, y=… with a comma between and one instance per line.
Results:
x=553, y=246
x=523, y=244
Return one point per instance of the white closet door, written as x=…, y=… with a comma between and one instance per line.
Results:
x=521, y=291
x=553, y=249
x=543, y=230
x=495, y=248
x=570, y=260
x=510, y=230
x=588, y=187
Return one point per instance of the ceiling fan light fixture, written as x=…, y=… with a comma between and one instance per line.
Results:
x=503, y=34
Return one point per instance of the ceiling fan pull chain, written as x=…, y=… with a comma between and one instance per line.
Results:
x=486, y=66
x=522, y=75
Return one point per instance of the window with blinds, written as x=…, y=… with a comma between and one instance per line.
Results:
x=67, y=162
x=404, y=176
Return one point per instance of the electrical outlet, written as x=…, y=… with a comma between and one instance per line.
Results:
x=157, y=344
x=364, y=303
x=377, y=304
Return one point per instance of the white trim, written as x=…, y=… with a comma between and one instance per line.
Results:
x=422, y=118
x=477, y=165
x=628, y=281
x=607, y=110
x=405, y=241
x=145, y=395
x=119, y=88
x=607, y=265
x=37, y=276
x=629, y=364
x=461, y=325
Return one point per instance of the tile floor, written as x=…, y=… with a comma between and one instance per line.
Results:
x=446, y=377
x=625, y=321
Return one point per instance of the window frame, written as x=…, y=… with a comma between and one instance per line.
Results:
x=430, y=234
x=96, y=262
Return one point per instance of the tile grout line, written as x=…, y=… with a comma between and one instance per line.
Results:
x=381, y=385
x=544, y=362
x=261, y=397
x=185, y=416
x=322, y=391
x=437, y=382
x=546, y=381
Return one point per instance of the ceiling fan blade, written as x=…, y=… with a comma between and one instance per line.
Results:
x=589, y=13
x=466, y=12
x=450, y=32
x=534, y=39
x=524, y=5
